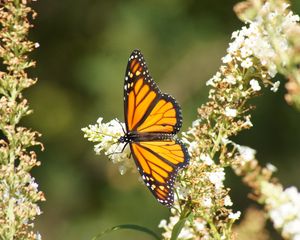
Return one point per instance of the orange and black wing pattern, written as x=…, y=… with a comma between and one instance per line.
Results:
x=150, y=112
x=158, y=163
x=146, y=108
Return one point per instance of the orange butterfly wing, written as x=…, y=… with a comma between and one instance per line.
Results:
x=158, y=163
x=148, y=110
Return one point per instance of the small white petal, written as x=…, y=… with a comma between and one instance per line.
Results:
x=227, y=201
x=247, y=63
x=206, y=159
x=162, y=224
x=227, y=58
x=271, y=167
x=234, y=216
x=255, y=85
x=230, y=112
x=246, y=153
x=275, y=86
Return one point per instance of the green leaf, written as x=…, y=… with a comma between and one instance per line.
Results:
x=177, y=228
x=128, y=226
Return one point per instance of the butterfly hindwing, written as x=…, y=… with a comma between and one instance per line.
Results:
x=146, y=108
x=158, y=164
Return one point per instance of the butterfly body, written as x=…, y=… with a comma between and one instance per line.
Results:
x=145, y=137
x=152, y=119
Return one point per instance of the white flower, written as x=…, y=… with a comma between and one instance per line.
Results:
x=290, y=20
x=230, y=79
x=216, y=78
x=227, y=58
x=247, y=63
x=255, y=85
x=276, y=218
x=33, y=184
x=293, y=195
x=199, y=225
x=217, y=177
x=236, y=44
x=235, y=34
x=291, y=228
x=210, y=82
x=107, y=136
x=206, y=159
x=182, y=192
x=163, y=223
x=196, y=123
x=271, y=167
x=193, y=147
x=227, y=201
x=234, y=216
x=272, y=69
x=206, y=202
x=248, y=122
x=284, y=208
x=275, y=86
x=186, y=233
x=38, y=236
x=246, y=153
x=246, y=52
x=230, y=112
x=296, y=237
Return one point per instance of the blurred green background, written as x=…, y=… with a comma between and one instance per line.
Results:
x=84, y=47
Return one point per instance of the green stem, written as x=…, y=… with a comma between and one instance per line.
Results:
x=214, y=231
x=217, y=143
x=11, y=220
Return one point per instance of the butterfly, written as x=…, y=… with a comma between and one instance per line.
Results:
x=152, y=119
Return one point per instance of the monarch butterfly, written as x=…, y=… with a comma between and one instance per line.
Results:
x=152, y=119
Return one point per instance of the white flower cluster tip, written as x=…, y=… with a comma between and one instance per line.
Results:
x=284, y=209
x=253, y=42
x=217, y=177
x=107, y=135
x=255, y=85
x=188, y=232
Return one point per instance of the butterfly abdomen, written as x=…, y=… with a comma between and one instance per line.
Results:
x=146, y=137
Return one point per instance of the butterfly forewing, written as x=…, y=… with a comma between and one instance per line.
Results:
x=146, y=108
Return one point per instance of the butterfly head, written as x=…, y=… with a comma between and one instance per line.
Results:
x=124, y=139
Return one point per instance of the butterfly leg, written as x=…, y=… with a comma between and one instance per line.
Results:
x=115, y=152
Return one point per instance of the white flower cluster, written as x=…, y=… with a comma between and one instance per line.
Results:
x=217, y=177
x=196, y=230
x=235, y=216
x=107, y=136
x=255, y=41
x=283, y=206
x=230, y=112
x=211, y=176
x=255, y=85
x=284, y=209
x=246, y=153
x=193, y=146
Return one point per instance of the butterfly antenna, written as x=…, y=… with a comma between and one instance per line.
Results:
x=121, y=126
